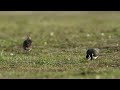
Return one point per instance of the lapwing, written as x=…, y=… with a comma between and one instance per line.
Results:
x=92, y=54
x=27, y=44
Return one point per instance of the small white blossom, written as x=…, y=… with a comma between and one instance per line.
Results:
x=45, y=43
x=102, y=34
x=51, y=34
x=109, y=36
x=88, y=35
x=11, y=54
x=97, y=77
x=117, y=44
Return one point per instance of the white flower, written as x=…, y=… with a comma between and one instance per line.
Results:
x=45, y=43
x=102, y=34
x=109, y=36
x=117, y=44
x=11, y=54
x=51, y=34
x=88, y=35
x=97, y=77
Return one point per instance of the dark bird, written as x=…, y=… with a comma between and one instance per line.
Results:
x=92, y=53
x=27, y=44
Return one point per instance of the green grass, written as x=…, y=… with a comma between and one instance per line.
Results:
x=60, y=41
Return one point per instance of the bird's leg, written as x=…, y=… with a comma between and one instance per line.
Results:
x=91, y=57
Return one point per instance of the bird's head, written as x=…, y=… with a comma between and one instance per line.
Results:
x=28, y=36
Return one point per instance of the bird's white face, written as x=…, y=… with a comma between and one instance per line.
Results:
x=93, y=57
x=89, y=57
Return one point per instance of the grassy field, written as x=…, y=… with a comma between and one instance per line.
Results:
x=60, y=41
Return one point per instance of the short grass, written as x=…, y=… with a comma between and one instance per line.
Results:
x=60, y=41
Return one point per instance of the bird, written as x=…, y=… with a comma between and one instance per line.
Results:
x=92, y=53
x=27, y=44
